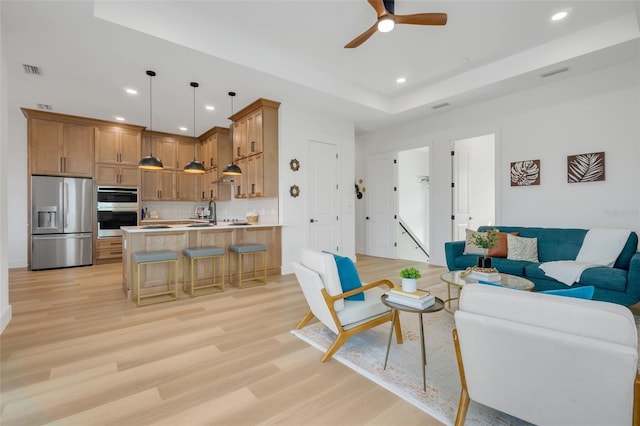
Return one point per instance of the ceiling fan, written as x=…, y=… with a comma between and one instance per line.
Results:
x=387, y=20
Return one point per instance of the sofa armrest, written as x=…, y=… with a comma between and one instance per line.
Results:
x=453, y=249
x=633, y=279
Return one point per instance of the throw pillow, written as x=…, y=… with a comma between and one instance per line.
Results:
x=349, y=278
x=500, y=249
x=520, y=248
x=585, y=292
x=470, y=246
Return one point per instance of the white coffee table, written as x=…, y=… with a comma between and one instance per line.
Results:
x=455, y=281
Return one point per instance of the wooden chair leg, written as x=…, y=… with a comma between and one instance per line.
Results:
x=305, y=320
x=636, y=401
x=464, y=394
x=337, y=344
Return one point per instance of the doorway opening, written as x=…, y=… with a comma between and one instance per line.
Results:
x=414, y=195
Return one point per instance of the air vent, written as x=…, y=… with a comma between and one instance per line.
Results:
x=45, y=107
x=442, y=105
x=554, y=72
x=31, y=69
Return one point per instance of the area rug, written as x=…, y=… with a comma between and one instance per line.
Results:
x=364, y=353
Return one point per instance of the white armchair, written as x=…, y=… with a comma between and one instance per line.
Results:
x=317, y=275
x=546, y=359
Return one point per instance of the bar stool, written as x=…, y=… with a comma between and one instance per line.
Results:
x=194, y=254
x=242, y=250
x=151, y=257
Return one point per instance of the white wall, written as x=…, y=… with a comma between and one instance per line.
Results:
x=599, y=111
x=298, y=125
x=5, y=307
x=413, y=195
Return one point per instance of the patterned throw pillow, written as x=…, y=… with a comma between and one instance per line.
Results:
x=519, y=248
x=470, y=246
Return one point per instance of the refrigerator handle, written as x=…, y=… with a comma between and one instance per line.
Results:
x=62, y=203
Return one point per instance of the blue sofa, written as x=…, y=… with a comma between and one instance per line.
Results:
x=620, y=284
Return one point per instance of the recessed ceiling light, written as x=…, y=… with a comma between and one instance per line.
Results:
x=559, y=16
x=184, y=129
x=209, y=107
x=119, y=118
x=131, y=91
x=401, y=80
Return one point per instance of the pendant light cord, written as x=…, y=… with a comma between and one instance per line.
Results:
x=151, y=74
x=194, y=85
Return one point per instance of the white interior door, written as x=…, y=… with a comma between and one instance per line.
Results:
x=381, y=205
x=323, y=196
x=473, y=169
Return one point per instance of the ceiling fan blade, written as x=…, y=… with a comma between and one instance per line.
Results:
x=362, y=37
x=422, y=19
x=378, y=5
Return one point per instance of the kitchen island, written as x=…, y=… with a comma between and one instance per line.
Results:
x=180, y=236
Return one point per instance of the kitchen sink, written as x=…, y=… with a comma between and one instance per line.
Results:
x=199, y=225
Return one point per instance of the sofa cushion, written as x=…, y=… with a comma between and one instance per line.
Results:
x=511, y=267
x=604, y=277
x=585, y=292
x=465, y=261
x=559, y=244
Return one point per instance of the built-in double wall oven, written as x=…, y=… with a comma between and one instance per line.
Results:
x=117, y=206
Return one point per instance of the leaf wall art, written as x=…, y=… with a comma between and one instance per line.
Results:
x=525, y=173
x=585, y=167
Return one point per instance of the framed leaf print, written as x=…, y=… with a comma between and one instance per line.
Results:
x=585, y=167
x=525, y=173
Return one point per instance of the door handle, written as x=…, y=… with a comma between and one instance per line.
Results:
x=313, y=220
x=367, y=218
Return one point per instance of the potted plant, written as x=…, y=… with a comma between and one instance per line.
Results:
x=410, y=279
x=485, y=241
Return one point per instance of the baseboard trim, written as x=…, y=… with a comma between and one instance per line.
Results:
x=5, y=318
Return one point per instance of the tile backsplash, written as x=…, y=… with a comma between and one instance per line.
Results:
x=267, y=208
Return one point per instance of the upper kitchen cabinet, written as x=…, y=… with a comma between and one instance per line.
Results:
x=187, y=150
x=257, y=128
x=117, y=152
x=164, y=148
x=215, y=146
x=118, y=145
x=59, y=144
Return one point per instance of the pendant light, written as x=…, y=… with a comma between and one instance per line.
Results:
x=231, y=169
x=150, y=162
x=194, y=166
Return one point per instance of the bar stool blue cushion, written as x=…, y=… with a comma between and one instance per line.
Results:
x=247, y=248
x=154, y=256
x=203, y=251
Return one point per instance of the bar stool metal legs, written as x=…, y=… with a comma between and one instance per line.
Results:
x=148, y=258
x=242, y=250
x=202, y=253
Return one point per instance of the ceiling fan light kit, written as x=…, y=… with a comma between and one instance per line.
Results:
x=387, y=20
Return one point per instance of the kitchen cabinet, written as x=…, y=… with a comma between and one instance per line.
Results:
x=158, y=185
x=60, y=148
x=187, y=186
x=118, y=145
x=240, y=139
x=109, y=248
x=254, y=133
x=209, y=185
x=217, y=151
x=258, y=127
x=164, y=148
x=186, y=150
x=114, y=174
x=240, y=182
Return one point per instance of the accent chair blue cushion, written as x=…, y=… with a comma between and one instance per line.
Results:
x=585, y=292
x=349, y=278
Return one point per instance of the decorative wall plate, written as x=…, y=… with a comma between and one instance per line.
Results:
x=294, y=164
x=294, y=191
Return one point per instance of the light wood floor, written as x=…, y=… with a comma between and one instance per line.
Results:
x=77, y=353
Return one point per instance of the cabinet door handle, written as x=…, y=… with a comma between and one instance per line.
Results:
x=61, y=166
x=253, y=146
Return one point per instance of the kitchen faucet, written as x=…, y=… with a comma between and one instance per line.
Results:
x=213, y=214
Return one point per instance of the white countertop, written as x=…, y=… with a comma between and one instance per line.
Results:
x=150, y=227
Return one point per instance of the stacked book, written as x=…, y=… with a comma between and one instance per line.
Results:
x=483, y=276
x=419, y=299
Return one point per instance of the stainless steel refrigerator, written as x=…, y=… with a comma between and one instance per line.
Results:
x=61, y=222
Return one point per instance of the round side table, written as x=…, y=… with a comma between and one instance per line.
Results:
x=395, y=307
